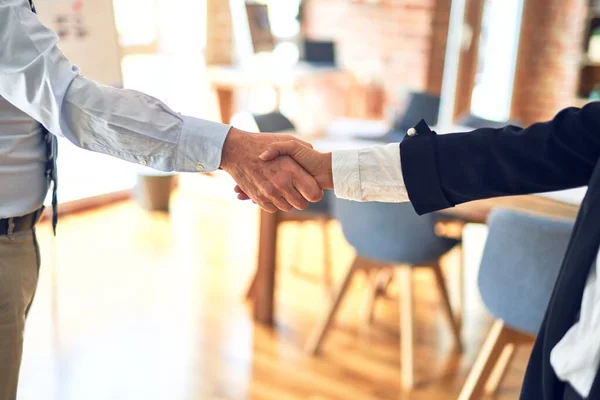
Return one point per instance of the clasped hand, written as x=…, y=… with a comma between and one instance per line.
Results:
x=276, y=171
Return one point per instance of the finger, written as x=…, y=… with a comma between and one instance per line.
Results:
x=275, y=150
x=296, y=199
x=282, y=204
x=241, y=194
x=302, y=142
x=268, y=207
x=272, y=194
x=308, y=187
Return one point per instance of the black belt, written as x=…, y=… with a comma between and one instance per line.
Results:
x=19, y=224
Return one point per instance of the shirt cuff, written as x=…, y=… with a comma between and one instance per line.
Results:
x=370, y=174
x=381, y=174
x=346, y=174
x=200, y=145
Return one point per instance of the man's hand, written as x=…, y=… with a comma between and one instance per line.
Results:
x=317, y=164
x=279, y=183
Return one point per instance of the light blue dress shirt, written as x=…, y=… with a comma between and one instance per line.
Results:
x=38, y=83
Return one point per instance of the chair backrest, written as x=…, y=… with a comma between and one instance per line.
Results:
x=273, y=122
x=420, y=105
x=390, y=233
x=475, y=122
x=521, y=261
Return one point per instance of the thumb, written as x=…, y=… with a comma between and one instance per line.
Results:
x=279, y=149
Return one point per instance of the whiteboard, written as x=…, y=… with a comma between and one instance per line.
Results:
x=88, y=36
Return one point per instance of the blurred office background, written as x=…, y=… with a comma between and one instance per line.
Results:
x=150, y=289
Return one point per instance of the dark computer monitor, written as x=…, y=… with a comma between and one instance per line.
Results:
x=260, y=27
x=319, y=52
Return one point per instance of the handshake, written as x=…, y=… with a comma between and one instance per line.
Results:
x=276, y=171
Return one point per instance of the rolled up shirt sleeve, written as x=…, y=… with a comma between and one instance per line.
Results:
x=37, y=78
x=369, y=174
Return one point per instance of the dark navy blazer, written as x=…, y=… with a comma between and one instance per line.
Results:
x=445, y=170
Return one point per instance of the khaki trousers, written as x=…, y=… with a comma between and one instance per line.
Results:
x=19, y=267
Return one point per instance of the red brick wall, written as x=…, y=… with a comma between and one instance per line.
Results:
x=548, y=61
x=219, y=34
x=400, y=42
x=439, y=36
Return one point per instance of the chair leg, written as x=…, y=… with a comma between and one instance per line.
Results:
x=319, y=333
x=485, y=362
x=372, y=294
x=454, y=326
x=460, y=288
x=499, y=372
x=251, y=289
x=298, y=247
x=379, y=283
x=327, y=274
x=407, y=344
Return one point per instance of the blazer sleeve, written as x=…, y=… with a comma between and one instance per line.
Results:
x=441, y=171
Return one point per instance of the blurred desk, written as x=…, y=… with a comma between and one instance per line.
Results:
x=225, y=80
x=263, y=287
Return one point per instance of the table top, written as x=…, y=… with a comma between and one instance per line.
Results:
x=267, y=74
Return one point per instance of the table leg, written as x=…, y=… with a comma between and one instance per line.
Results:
x=263, y=289
x=225, y=98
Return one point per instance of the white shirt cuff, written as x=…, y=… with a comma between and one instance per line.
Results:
x=370, y=174
x=200, y=145
x=346, y=174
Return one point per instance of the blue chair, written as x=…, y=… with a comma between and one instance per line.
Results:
x=521, y=261
x=390, y=235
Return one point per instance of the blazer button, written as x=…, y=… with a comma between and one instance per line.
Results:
x=411, y=132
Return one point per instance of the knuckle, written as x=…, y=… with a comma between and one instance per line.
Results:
x=280, y=182
x=268, y=190
x=266, y=205
x=261, y=200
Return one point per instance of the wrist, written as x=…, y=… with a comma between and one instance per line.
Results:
x=325, y=177
x=234, y=137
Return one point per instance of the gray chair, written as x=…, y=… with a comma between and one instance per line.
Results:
x=520, y=264
x=273, y=122
x=420, y=105
x=390, y=236
x=319, y=212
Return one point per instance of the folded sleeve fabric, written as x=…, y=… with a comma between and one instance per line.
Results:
x=370, y=174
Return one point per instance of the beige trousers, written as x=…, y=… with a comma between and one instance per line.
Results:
x=19, y=265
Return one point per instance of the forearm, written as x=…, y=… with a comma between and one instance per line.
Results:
x=38, y=79
x=437, y=172
x=139, y=128
x=445, y=170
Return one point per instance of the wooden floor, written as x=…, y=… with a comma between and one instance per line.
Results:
x=151, y=306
